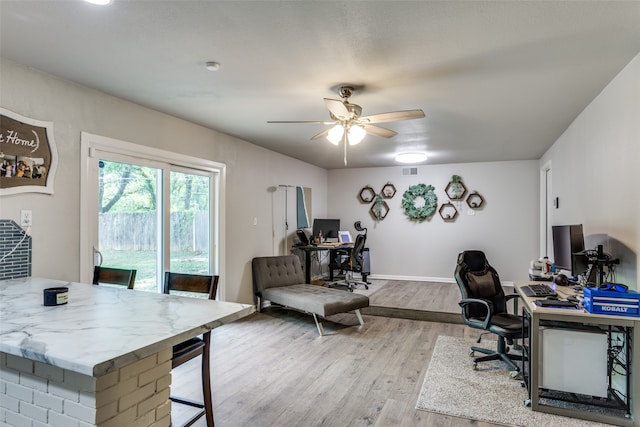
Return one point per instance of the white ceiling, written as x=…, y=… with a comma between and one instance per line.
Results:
x=498, y=80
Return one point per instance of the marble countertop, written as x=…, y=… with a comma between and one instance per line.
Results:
x=101, y=328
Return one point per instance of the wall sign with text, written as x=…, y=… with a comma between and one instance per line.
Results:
x=28, y=154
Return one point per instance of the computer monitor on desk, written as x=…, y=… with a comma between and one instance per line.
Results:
x=327, y=227
x=567, y=241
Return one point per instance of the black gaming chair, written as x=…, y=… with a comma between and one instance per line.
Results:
x=484, y=306
x=354, y=262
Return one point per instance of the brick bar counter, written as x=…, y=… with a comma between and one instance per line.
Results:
x=103, y=359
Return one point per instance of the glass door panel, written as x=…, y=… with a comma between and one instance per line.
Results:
x=190, y=223
x=129, y=223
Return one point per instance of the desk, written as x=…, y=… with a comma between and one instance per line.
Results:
x=104, y=358
x=540, y=317
x=334, y=251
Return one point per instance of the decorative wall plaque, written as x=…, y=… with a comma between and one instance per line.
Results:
x=28, y=154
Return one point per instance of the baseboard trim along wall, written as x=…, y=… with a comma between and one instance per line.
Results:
x=422, y=279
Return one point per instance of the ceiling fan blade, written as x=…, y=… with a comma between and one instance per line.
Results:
x=323, y=122
x=379, y=131
x=337, y=108
x=394, y=116
x=320, y=135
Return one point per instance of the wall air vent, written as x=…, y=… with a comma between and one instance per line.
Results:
x=409, y=171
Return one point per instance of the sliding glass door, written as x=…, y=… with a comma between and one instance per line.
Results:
x=142, y=213
x=129, y=220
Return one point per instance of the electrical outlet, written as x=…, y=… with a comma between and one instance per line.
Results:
x=26, y=219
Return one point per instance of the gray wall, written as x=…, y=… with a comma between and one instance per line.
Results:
x=506, y=228
x=595, y=172
x=72, y=108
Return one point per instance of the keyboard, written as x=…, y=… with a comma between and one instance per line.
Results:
x=538, y=290
x=556, y=303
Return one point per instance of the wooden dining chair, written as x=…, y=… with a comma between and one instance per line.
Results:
x=194, y=347
x=114, y=276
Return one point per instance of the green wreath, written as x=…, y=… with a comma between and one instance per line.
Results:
x=430, y=202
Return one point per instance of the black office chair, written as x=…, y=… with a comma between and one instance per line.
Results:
x=114, y=276
x=197, y=346
x=354, y=262
x=484, y=306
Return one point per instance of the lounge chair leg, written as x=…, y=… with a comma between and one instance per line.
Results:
x=359, y=316
x=318, y=325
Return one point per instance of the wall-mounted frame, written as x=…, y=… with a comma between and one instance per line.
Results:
x=28, y=154
x=448, y=212
x=379, y=209
x=475, y=200
x=389, y=190
x=367, y=194
x=456, y=189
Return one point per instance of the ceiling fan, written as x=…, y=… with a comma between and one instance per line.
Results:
x=348, y=124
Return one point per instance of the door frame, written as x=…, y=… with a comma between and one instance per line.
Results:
x=546, y=203
x=90, y=143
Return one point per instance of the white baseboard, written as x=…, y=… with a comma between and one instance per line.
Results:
x=413, y=278
x=422, y=279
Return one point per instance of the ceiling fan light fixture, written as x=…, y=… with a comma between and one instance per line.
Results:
x=413, y=157
x=335, y=134
x=356, y=134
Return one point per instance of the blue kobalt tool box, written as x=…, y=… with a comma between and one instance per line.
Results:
x=611, y=302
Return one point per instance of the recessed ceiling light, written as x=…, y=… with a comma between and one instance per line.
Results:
x=99, y=2
x=411, y=157
x=212, y=66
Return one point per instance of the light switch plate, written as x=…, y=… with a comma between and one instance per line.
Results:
x=26, y=218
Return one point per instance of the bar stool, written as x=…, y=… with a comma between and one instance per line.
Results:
x=197, y=346
x=114, y=276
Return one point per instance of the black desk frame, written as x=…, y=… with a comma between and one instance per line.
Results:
x=334, y=252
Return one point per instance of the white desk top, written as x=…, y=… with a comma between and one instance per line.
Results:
x=563, y=292
x=101, y=328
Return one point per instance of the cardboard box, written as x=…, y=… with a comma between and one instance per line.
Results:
x=611, y=302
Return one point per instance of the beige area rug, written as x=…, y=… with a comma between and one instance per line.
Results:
x=452, y=387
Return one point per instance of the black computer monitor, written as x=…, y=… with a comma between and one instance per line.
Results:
x=328, y=227
x=567, y=240
x=579, y=263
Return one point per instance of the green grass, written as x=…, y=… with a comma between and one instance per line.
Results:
x=145, y=264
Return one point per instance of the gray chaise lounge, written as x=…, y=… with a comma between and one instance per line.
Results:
x=280, y=279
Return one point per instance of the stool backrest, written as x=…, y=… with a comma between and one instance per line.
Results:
x=114, y=276
x=204, y=284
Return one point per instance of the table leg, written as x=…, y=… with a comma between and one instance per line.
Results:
x=307, y=266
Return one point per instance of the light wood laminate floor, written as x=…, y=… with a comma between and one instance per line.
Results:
x=273, y=369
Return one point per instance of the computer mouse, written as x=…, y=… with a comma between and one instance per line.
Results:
x=561, y=280
x=552, y=297
x=572, y=298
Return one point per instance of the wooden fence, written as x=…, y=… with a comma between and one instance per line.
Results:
x=139, y=231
